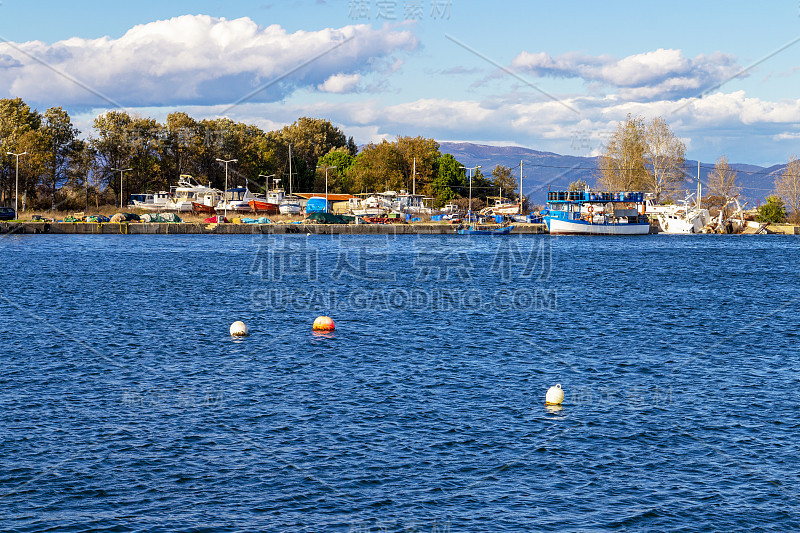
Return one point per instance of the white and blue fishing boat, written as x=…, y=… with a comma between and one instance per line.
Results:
x=596, y=213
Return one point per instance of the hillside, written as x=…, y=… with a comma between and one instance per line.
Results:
x=545, y=170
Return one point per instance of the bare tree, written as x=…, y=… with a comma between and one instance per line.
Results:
x=622, y=165
x=787, y=186
x=577, y=185
x=722, y=181
x=667, y=156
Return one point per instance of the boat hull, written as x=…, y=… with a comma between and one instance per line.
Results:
x=260, y=206
x=290, y=209
x=579, y=227
x=202, y=209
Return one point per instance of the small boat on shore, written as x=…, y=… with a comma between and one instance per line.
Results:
x=263, y=206
x=202, y=209
x=237, y=199
x=150, y=201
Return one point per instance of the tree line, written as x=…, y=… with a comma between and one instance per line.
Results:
x=64, y=169
x=647, y=156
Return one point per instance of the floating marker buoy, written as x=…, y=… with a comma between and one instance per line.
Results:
x=554, y=395
x=239, y=329
x=324, y=323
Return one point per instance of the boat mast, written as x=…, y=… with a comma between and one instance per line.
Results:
x=520, y=186
x=699, y=187
x=290, y=169
x=414, y=187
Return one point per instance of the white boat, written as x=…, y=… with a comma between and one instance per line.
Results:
x=237, y=199
x=150, y=201
x=451, y=209
x=187, y=191
x=413, y=204
x=290, y=205
x=502, y=206
x=371, y=206
x=683, y=218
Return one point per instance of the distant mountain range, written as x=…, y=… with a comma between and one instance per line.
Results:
x=543, y=170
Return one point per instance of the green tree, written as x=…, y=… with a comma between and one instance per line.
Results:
x=420, y=155
x=18, y=124
x=449, y=181
x=773, y=211
x=312, y=138
x=482, y=187
x=338, y=180
x=112, y=148
x=504, y=181
x=61, y=138
x=378, y=166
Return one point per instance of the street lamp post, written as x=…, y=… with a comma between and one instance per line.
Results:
x=469, y=212
x=326, y=183
x=225, y=196
x=121, y=171
x=16, y=190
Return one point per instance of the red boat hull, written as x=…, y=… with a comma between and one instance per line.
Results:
x=260, y=206
x=202, y=209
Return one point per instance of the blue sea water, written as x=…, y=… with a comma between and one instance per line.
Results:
x=126, y=406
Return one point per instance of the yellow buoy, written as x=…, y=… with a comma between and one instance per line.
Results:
x=324, y=323
x=239, y=329
x=554, y=395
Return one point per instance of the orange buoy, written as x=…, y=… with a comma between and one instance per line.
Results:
x=324, y=323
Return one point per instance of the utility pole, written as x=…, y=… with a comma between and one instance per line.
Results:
x=16, y=191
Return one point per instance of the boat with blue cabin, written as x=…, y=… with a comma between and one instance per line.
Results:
x=596, y=213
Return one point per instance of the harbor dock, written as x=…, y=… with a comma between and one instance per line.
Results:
x=151, y=228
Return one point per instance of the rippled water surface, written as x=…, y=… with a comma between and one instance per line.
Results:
x=126, y=406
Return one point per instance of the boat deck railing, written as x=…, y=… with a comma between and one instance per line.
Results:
x=591, y=196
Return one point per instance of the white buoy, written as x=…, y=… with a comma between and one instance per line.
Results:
x=554, y=395
x=239, y=329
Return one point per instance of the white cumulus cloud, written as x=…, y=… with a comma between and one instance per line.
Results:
x=195, y=59
x=650, y=75
x=340, y=83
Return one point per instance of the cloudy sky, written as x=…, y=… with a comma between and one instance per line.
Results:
x=547, y=75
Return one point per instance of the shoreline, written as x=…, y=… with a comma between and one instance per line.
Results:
x=198, y=228
x=190, y=228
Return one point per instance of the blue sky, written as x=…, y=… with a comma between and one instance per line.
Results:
x=545, y=75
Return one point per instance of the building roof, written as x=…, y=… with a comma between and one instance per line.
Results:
x=332, y=197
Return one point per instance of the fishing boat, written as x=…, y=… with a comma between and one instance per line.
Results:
x=502, y=206
x=187, y=191
x=596, y=213
x=263, y=206
x=683, y=218
x=290, y=204
x=237, y=199
x=478, y=230
x=150, y=201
